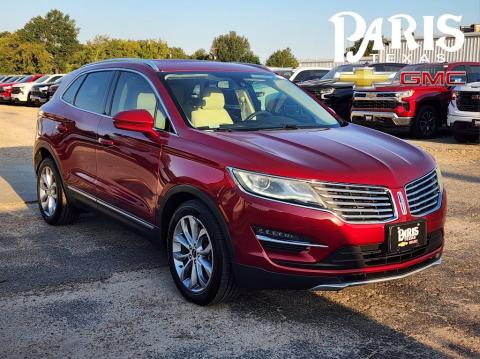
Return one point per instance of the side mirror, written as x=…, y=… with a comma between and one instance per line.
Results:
x=134, y=120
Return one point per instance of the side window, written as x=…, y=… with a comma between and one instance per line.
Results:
x=69, y=95
x=459, y=78
x=91, y=95
x=473, y=73
x=133, y=92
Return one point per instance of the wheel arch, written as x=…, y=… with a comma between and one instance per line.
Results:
x=180, y=194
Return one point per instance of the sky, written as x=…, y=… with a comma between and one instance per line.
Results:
x=269, y=25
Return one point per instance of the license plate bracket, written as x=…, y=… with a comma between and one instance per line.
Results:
x=404, y=237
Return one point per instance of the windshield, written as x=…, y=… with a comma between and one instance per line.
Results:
x=330, y=75
x=25, y=79
x=42, y=79
x=244, y=101
x=432, y=69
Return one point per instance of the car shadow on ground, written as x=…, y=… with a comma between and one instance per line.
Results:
x=17, y=176
x=305, y=324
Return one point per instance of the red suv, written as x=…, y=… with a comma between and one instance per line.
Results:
x=247, y=180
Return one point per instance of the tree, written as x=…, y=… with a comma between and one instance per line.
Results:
x=282, y=58
x=232, y=47
x=57, y=32
x=23, y=57
x=177, y=53
x=200, y=54
x=368, y=51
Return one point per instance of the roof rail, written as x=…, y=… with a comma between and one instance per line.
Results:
x=146, y=62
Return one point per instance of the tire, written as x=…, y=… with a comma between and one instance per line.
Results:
x=52, y=201
x=29, y=100
x=425, y=123
x=199, y=288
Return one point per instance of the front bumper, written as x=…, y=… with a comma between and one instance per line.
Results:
x=328, y=251
x=379, y=118
x=37, y=98
x=19, y=97
x=251, y=277
x=455, y=115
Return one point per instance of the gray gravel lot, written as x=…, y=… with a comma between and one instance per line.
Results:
x=98, y=290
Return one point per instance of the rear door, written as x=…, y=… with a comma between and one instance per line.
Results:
x=127, y=161
x=77, y=128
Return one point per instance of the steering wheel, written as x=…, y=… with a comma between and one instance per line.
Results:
x=255, y=114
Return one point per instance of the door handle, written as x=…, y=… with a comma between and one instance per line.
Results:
x=105, y=141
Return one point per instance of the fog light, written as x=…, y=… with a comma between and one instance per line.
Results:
x=272, y=233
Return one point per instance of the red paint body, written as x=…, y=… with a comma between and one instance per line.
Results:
x=136, y=171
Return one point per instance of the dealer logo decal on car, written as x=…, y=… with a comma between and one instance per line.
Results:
x=408, y=236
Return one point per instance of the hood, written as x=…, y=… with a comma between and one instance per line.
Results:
x=350, y=154
x=396, y=87
x=324, y=83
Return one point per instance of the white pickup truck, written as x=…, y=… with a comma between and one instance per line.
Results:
x=464, y=112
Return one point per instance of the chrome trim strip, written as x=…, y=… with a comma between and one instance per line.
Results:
x=147, y=62
x=159, y=98
x=113, y=208
x=340, y=286
x=313, y=182
x=401, y=200
x=293, y=243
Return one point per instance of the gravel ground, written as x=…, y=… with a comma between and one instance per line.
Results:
x=96, y=289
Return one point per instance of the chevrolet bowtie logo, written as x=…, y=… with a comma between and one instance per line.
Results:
x=363, y=77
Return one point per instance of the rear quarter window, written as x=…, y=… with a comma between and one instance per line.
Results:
x=69, y=95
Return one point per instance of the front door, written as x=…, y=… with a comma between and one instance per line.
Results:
x=128, y=161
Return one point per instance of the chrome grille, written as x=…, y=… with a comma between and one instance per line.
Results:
x=423, y=194
x=357, y=203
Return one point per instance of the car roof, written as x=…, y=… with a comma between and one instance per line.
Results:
x=186, y=65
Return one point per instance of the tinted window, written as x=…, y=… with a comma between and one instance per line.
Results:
x=69, y=95
x=309, y=75
x=459, y=78
x=330, y=75
x=133, y=92
x=473, y=73
x=91, y=95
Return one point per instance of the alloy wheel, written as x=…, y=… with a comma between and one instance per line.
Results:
x=427, y=122
x=48, y=191
x=192, y=253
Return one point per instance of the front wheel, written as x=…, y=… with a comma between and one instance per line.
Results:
x=425, y=123
x=198, y=257
x=52, y=202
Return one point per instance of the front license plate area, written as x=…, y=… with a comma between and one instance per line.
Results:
x=406, y=236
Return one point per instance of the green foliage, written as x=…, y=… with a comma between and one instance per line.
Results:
x=177, y=53
x=200, y=54
x=48, y=44
x=356, y=46
x=24, y=57
x=233, y=47
x=282, y=58
x=57, y=32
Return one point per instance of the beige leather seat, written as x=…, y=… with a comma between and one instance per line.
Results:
x=212, y=113
x=147, y=101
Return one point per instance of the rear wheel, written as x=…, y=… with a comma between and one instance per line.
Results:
x=52, y=202
x=425, y=123
x=198, y=257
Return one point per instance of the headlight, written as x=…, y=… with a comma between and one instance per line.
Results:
x=7, y=87
x=278, y=188
x=44, y=88
x=403, y=94
x=439, y=179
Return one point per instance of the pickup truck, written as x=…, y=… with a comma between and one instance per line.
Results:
x=464, y=112
x=337, y=94
x=420, y=109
